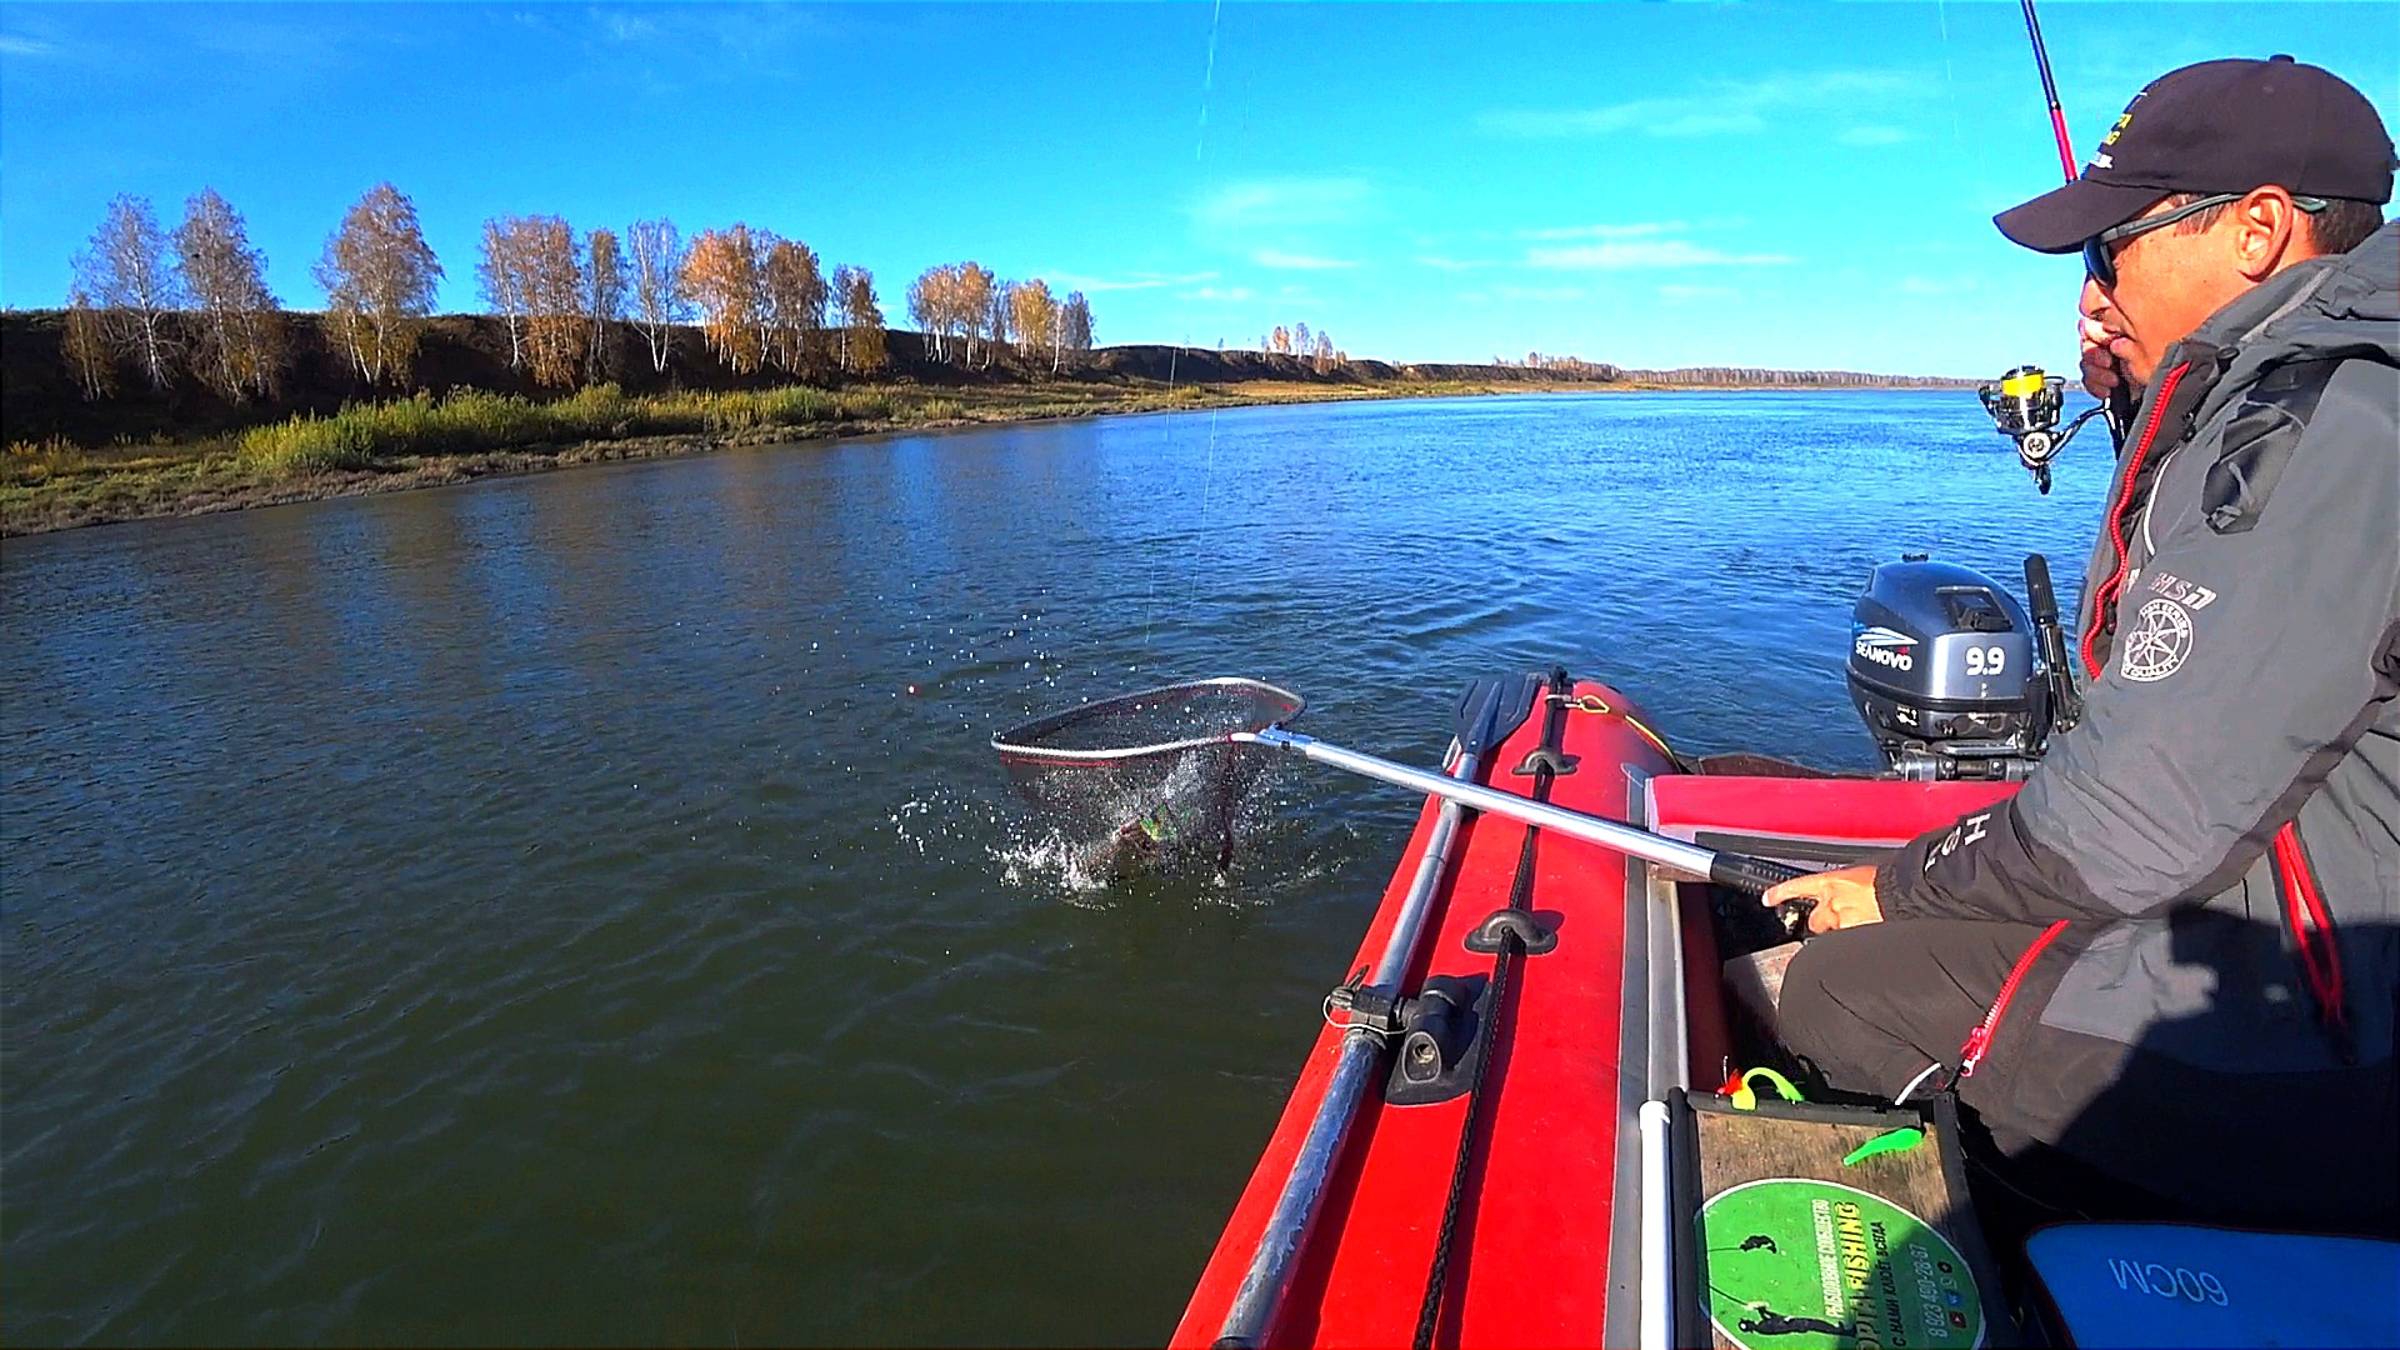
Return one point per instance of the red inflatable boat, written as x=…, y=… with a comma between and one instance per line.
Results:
x=1536, y=1232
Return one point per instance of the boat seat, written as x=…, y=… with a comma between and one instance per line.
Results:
x=2165, y=1284
x=1842, y=818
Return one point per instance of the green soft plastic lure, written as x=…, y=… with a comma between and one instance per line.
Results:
x=1745, y=1092
x=1890, y=1141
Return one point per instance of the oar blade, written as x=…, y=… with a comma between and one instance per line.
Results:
x=1491, y=709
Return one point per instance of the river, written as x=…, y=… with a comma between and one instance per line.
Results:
x=583, y=907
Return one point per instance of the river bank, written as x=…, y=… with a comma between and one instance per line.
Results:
x=425, y=442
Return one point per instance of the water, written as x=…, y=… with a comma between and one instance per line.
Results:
x=583, y=908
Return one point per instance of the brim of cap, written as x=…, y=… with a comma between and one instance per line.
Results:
x=2060, y=220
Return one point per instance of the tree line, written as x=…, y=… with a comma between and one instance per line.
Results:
x=1295, y=340
x=195, y=300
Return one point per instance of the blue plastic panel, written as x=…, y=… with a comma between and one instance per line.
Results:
x=2181, y=1285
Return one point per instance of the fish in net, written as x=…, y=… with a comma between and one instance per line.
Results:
x=1145, y=778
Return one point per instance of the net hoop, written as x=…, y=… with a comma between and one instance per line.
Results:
x=1022, y=743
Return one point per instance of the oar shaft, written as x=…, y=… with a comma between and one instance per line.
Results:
x=1575, y=824
x=1277, y=1256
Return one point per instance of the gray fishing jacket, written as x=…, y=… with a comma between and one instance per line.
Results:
x=2239, y=645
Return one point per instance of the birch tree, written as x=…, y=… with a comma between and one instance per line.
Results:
x=924, y=308
x=240, y=325
x=720, y=274
x=659, y=303
x=1075, y=324
x=1302, y=343
x=999, y=319
x=603, y=294
x=86, y=348
x=862, y=319
x=1035, y=315
x=837, y=304
x=379, y=277
x=554, y=300
x=500, y=275
x=129, y=278
x=970, y=304
x=795, y=300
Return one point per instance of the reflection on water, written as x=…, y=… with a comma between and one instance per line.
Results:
x=583, y=907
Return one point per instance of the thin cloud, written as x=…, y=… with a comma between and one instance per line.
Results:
x=1219, y=293
x=1541, y=294
x=1627, y=254
x=1299, y=262
x=1640, y=229
x=1440, y=263
x=1138, y=281
x=1283, y=203
x=1717, y=109
x=12, y=44
x=1680, y=291
x=619, y=26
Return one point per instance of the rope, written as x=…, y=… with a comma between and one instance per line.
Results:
x=1520, y=897
x=1593, y=703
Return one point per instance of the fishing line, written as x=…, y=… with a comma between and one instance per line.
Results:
x=1208, y=81
x=1941, y=13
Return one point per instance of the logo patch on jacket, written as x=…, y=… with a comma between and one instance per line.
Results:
x=2158, y=642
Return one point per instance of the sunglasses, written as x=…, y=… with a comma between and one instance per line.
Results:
x=2100, y=260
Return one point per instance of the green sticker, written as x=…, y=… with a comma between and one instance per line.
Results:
x=1796, y=1264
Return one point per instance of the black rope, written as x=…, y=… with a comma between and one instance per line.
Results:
x=1520, y=897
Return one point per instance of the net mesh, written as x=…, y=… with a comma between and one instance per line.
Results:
x=1148, y=773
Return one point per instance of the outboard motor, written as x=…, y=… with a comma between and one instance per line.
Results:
x=1947, y=670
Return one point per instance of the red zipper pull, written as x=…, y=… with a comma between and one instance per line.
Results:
x=1971, y=1054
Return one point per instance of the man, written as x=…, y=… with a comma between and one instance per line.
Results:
x=2172, y=956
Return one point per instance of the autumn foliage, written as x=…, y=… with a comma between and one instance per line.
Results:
x=196, y=301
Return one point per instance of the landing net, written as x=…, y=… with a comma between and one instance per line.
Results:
x=1148, y=774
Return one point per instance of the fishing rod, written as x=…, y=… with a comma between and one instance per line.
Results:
x=2026, y=402
x=2058, y=115
x=2119, y=403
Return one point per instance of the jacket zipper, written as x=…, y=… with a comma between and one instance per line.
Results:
x=1980, y=1039
x=2313, y=937
x=2105, y=596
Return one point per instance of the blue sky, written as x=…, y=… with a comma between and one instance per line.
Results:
x=1778, y=185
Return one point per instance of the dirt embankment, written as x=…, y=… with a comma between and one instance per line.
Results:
x=39, y=400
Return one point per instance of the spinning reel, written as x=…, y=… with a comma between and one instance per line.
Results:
x=2025, y=405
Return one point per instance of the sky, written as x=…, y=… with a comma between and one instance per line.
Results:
x=1649, y=184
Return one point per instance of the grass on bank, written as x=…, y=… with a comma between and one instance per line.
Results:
x=424, y=441
x=472, y=421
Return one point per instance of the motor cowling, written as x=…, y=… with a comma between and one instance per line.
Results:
x=1944, y=671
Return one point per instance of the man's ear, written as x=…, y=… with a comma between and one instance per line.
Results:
x=2266, y=234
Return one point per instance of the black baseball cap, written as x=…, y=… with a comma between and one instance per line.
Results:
x=2219, y=126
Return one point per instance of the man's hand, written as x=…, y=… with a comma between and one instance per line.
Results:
x=2102, y=371
x=1845, y=898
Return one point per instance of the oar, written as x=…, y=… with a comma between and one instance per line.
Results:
x=1751, y=876
x=1489, y=712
